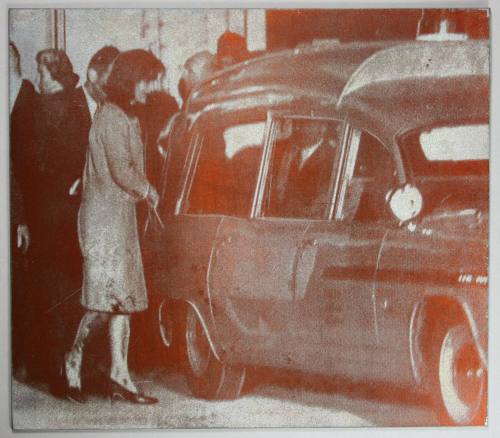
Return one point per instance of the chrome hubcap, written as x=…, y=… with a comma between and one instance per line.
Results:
x=468, y=375
x=461, y=376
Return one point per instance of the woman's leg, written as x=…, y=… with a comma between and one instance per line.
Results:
x=73, y=360
x=119, y=331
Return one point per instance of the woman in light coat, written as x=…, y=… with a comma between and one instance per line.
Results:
x=113, y=183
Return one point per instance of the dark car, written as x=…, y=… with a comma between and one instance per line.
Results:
x=325, y=211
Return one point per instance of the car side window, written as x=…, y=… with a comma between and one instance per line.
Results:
x=371, y=177
x=226, y=168
x=300, y=174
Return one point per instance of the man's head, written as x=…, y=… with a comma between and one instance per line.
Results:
x=98, y=71
x=231, y=49
x=55, y=71
x=197, y=68
x=14, y=60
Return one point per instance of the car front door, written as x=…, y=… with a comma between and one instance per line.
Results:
x=251, y=261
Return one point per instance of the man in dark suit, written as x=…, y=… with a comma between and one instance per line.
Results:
x=159, y=108
x=305, y=171
x=22, y=98
x=231, y=49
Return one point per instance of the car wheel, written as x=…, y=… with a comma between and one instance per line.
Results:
x=462, y=379
x=208, y=377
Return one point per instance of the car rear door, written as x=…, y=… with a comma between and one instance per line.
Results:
x=337, y=263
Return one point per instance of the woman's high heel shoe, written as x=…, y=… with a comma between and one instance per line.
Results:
x=117, y=391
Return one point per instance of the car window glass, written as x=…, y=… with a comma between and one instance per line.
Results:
x=447, y=151
x=456, y=143
x=450, y=166
x=226, y=170
x=299, y=180
x=371, y=178
x=240, y=137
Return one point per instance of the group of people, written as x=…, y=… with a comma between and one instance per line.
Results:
x=77, y=168
x=78, y=171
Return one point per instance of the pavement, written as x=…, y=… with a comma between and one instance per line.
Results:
x=271, y=399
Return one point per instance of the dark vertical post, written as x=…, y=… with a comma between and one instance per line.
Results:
x=64, y=28
x=245, y=24
x=54, y=29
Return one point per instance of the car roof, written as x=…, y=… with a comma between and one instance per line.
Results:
x=419, y=84
x=309, y=78
x=386, y=87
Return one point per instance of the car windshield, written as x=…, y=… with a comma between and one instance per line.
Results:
x=450, y=165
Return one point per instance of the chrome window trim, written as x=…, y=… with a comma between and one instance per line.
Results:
x=348, y=163
x=188, y=173
x=269, y=135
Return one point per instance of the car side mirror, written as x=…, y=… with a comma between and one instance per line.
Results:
x=405, y=202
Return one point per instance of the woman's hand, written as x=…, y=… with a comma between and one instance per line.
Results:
x=74, y=187
x=152, y=197
x=23, y=238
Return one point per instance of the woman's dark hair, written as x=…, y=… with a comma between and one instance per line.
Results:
x=129, y=68
x=59, y=66
x=13, y=47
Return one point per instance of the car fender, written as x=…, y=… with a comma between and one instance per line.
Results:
x=475, y=332
x=203, y=314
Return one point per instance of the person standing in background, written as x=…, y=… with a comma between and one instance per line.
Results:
x=159, y=108
x=231, y=49
x=196, y=69
x=61, y=127
x=22, y=103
